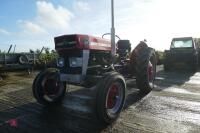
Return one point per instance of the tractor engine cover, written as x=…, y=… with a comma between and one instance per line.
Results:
x=81, y=42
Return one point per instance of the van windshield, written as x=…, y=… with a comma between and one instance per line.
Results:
x=182, y=43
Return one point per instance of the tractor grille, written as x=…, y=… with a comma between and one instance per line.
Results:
x=67, y=41
x=66, y=55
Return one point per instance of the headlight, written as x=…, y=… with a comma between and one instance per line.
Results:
x=75, y=62
x=61, y=62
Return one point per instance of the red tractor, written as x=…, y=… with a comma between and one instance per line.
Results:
x=91, y=61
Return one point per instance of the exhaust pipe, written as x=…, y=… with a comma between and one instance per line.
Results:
x=113, y=45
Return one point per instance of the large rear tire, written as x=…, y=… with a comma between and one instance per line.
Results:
x=47, y=87
x=146, y=69
x=111, y=95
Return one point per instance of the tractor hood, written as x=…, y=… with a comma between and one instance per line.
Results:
x=81, y=42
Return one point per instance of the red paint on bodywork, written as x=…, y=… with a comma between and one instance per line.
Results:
x=100, y=44
x=94, y=43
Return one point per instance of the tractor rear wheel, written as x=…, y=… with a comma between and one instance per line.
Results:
x=110, y=97
x=146, y=70
x=47, y=87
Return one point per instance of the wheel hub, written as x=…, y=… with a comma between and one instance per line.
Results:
x=51, y=87
x=113, y=94
x=114, y=98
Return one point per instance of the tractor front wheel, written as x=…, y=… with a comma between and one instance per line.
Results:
x=146, y=70
x=110, y=97
x=47, y=87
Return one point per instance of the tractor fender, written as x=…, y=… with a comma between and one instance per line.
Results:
x=142, y=45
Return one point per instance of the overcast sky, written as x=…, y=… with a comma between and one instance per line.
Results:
x=31, y=24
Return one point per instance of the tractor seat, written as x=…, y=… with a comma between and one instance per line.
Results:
x=124, y=46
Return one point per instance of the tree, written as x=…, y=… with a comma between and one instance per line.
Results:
x=31, y=51
x=37, y=51
x=46, y=49
x=53, y=51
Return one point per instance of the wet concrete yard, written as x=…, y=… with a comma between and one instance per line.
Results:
x=173, y=106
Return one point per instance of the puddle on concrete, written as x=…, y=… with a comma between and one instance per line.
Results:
x=180, y=90
x=160, y=78
x=197, y=74
x=169, y=109
x=195, y=79
x=194, y=82
x=179, y=78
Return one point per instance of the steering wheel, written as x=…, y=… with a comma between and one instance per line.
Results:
x=110, y=34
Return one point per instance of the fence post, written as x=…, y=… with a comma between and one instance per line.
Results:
x=34, y=58
x=5, y=59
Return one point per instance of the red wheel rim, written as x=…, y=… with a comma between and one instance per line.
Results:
x=51, y=87
x=150, y=71
x=115, y=97
x=112, y=96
